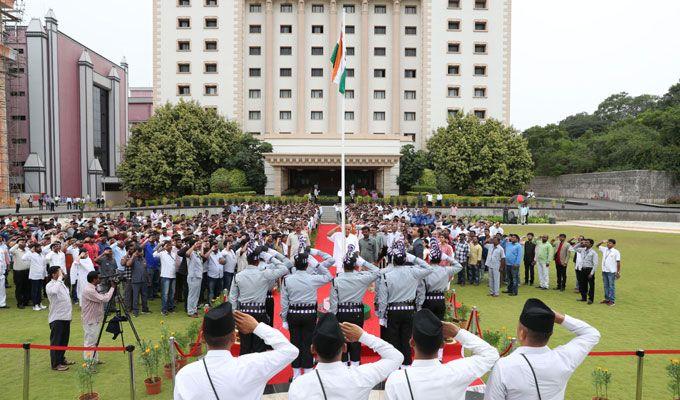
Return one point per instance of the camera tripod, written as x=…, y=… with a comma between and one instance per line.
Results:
x=123, y=316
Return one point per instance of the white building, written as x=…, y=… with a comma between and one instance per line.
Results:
x=267, y=65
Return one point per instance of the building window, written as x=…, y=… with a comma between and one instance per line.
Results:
x=256, y=8
x=452, y=112
x=409, y=116
x=378, y=133
x=286, y=8
x=210, y=45
x=210, y=90
x=379, y=51
x=18, y=163
x=379, y=30
x=410, y=52
x=20, y=51
x=317, y=94
x=211, y=109
x=454, y=4
x=254, y=133
x=453, y=69
x=18, y=118
x=379, y=116
x=210, y=23
x=254, y=115
x=350, y=72
x=255, y=50
x=285, y=94
x=285, y=50
x=409, y=73
x=285, y=115
x=379, y=73
x=183, y=45
x=350, y=51
x=183, y=3
x=255, y=29
x=409, y=94
x=183, y=68
x=349, y=8
x=480, y=70
x=349, y=29
x=411, y=10
x=480, y=26
x=210, y=3
x=411, y=136
x=480, y=92
x=453, y=48
x=380, y=9
x=480, y=5
x=317, y=51
x=378, y=94
x=410, y=30
x=254, y=72
x=100, y=112
x=19, y=141
x=349, y=94
x=454, y=25
x=317, y=8
x=349, y=115
x=481, y=114
x=317, y=29
x=317, y=115
x=20, y=93
x=285, y=72
x=286, y=28
x=183, y=90
x=453, y=91
x=210, y=68
x=254, y=93
x=480, y=48
x=183, y=23
x=317, y=72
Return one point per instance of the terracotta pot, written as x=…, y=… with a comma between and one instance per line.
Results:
x=167, y=371
x=153, y=385
x=180, y=363
x=89, y=396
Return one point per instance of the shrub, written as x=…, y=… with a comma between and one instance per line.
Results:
x=237, y=178
x=424, y=189
x=219, y=181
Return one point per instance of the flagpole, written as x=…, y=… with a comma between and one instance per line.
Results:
x=342, y=142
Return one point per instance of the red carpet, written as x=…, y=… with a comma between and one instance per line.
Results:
x=371, y=326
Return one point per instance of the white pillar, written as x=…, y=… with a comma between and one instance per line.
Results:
x=53, y=94
x=38, y=98
x=85, y=76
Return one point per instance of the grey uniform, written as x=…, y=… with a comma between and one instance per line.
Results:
x=431, y=290
x=351, y=287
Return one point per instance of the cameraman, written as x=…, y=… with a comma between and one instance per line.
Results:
x=92, y=305
x=135, y=263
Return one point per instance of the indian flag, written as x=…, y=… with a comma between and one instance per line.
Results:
x=339, y=61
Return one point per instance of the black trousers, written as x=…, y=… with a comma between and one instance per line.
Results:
x=353, y=349
x=60, y=331
x=528, y=272
x=586, y=284
x=463, y=273
x=36, y=291
x=22, y=288
x=301, y=327
x=269, y=307
x=561, y=276
x=181, y=288
x=251, y=343
x=399, y=330
x=438, y=307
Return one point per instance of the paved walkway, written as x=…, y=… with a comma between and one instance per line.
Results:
x=641, y=226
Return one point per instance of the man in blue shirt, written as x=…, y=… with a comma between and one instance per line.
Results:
x=513, y=258
x=153, y=267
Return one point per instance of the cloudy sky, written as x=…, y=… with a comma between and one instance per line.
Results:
x=567, y=55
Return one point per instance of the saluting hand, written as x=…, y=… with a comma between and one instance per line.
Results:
x=245, y=323
x=352, y=332
x=449, y=330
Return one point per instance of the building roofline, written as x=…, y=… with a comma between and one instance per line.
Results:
x=90, y=50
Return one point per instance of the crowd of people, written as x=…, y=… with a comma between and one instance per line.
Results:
x=409, y=257
x=47, y=202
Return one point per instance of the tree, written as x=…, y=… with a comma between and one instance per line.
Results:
x=181, y=145
x=411, y=166
x=620, y=106
x=219, y=181
x=578, y=124
x=475, y=157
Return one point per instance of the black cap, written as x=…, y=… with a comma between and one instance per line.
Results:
x=219, y=321
x=328, y=337
x=427, y=330
x=537, y=316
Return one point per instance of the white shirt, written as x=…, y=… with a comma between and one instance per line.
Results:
x=340, y=244
x=82, y=266
x=230, y=260
x=36, y=261
x=57, y=258
x=241, y=377
x=168, y=267
x=610, y=258
x=494, y=230
x=351, y=383
x=512, y=379
x=430, y=379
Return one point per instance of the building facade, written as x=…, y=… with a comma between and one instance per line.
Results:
x=140, y=105
x=266, y=64
x=69, y=114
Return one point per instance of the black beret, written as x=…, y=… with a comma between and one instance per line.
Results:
x=327, y=334
x=537, y=316
x=219, y=321
x=426, y=327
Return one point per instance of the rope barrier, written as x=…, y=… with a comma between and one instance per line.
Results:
x=194, y=349
x=48, y=347
x=629, y=353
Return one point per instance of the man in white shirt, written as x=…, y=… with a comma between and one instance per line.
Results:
x=167, y=260
x=341, y=243
x=230, y=261
x=333, y=379
x=59, y=318
x=294, y=239
x=36, y=274
x=4, y=263
x=534, y=371
x=56, y=257
x=427, y=377
x=219, y=375
x=611, y=270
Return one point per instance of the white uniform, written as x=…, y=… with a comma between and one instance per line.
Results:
x=512, y=379
x=340, y=245
x=430, y=379
x=351, y=383
x=240, y=378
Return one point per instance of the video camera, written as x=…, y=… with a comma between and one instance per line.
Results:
x=107, y=280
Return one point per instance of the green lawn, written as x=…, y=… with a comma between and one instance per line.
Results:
x=643, y=318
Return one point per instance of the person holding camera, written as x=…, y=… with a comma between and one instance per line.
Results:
x=135, y=265
x=92, y=305
x=59, y=318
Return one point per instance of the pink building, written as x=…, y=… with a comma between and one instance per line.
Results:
x=140, y=105
x=69, y=118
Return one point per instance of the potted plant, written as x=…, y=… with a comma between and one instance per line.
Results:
x=492, y=337
x=673, y=371
x=86, y=379
x=463, y=312
x=601, y=380
x=150, y=360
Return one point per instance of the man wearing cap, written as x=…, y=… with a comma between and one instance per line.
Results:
x=428, y=378
x=332, y=378
x=221, y=376
x=431, y=290
x=534, y=371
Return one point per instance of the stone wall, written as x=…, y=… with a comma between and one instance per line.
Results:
x=626, y=186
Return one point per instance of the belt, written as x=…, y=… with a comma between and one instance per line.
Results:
x=435, y=296
x=350, y=307
x=402, y=305
x=270, y=295
x=302, y=308
x=252, y=308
